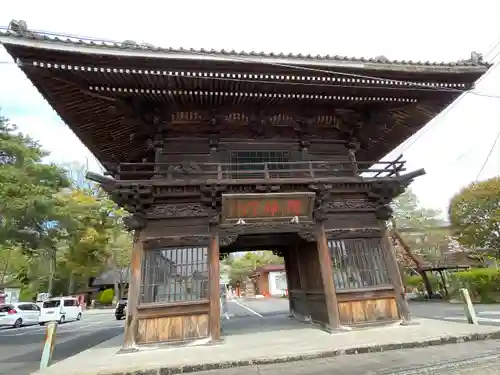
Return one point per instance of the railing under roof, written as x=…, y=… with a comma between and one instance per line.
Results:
x=256, y=171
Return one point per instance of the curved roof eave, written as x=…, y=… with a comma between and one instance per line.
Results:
x=132, y=49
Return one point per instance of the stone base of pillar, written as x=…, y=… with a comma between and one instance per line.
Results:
x=301, y=318
x=127, y=350
x=330, y=329
x=409, y=323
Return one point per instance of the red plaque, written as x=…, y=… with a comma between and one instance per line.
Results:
x=271, y=206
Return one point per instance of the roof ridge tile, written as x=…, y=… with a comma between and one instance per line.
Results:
x=475, y=60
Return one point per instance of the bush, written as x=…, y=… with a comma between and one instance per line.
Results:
x=416, y=282
x=27, y=295
x=483, y=284
x=106, y=297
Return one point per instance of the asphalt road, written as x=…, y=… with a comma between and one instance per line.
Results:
x=258, y=307
x=21, y=348
x=486, y=314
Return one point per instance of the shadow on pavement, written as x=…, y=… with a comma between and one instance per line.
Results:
x=248, y=324
x=30, y=361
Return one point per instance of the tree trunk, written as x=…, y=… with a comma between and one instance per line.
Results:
x=52, y=271
x=116, y=279
x=71, y=284
x=116, y=287
x=418, y=264
x=6, y=268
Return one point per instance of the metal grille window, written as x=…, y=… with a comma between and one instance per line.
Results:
x=358, y=263
x=175, y=274
x=275, y=161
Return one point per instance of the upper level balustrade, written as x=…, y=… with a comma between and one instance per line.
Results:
x=303, y=170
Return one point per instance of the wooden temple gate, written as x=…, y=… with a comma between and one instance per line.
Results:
x=340, y=267
x=214, y=152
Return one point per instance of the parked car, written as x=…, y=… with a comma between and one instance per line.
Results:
x=62, y=309
x=19, y=314
x=121, y=309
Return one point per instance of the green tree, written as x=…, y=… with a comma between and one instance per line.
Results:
x=410, y=214
x=28, y=190
x=423, y=229
x=475, y=215
x=242, y=267
x=119, y=251
x=420, y=234
x=87, y=223
x=56, y=229
x=12, y=260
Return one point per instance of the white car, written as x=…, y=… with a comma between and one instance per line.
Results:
x=19, y=314
x=61, y=309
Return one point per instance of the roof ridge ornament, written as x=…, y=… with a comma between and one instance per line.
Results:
x=129, y=44
x=19, y=27
x=382, y=59
x=476, y=57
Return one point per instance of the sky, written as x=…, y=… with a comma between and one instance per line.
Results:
x=452, y=148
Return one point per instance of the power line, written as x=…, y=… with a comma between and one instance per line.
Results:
x=447, y=109
x=489, y=155
x=255, y=61
x=289, y=66
x=294, y=83
x=493, y=45
x=427, y=128
x=423, y=86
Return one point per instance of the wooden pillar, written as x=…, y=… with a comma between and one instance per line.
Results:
x=325, y=261
x=214, y=293
x=302, y=274
x=134, y=289
x=288, y=270
x=352, y=147
x=395, y=276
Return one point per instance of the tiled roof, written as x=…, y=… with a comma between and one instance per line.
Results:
x=108, y=277
x=129, y=45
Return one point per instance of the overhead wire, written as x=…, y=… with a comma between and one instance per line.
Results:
x=493, y=45
x=491, y=49
x=247, y=59
x=289, y=66
x=489, y=155
x=417, y=85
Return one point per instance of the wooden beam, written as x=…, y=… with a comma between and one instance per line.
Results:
x=396, y=280
x=302, y=275
x=214, y=292
x=288, y=273
x=325, y=261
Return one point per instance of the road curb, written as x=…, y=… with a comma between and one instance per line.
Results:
x=98, y=311
x=174, y=370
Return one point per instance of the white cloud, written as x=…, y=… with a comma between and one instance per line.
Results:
x=452, y=150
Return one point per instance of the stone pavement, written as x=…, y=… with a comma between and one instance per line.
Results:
x=276, y=339
x=471, y=358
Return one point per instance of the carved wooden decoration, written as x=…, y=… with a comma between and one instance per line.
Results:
x=267, y=207
x=179, y=210
x=228, y=233
x=135, y=222
x=349, y=205
x=175, y=241
x=353, y=233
